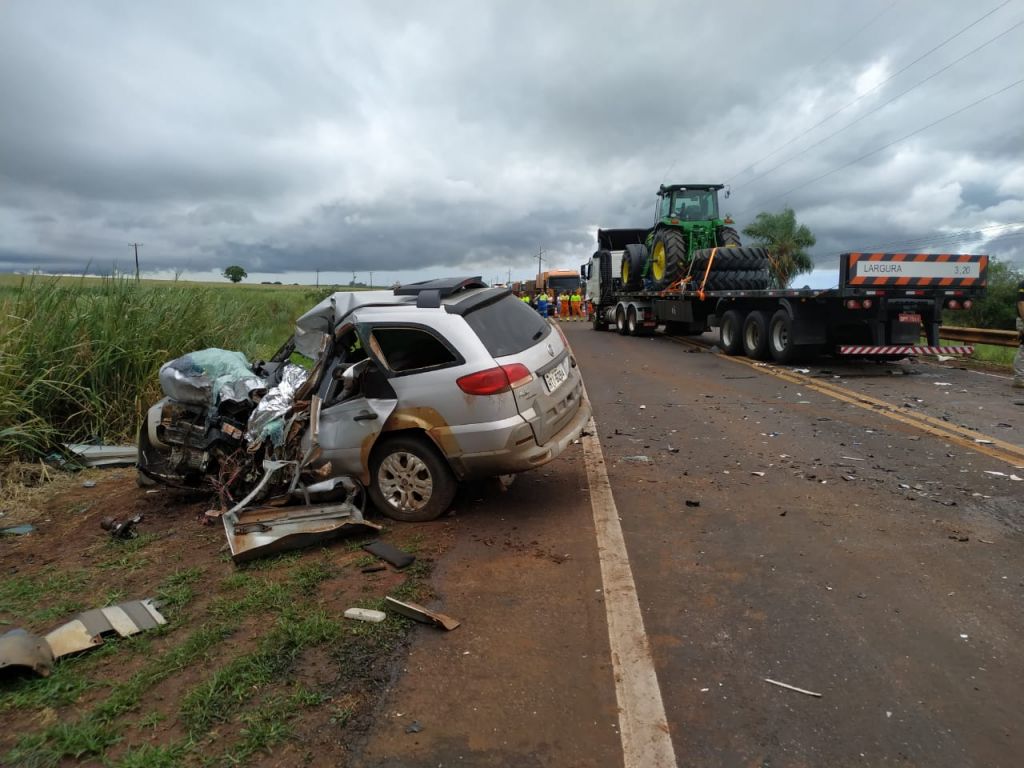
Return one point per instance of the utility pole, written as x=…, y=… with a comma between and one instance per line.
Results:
x=136, y=247
x=540, y=255
x=371, y=279
x=318, y=278
x=509, y=280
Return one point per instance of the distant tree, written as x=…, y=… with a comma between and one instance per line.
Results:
x=787, y=243
x=235, y=273
x=998, y=307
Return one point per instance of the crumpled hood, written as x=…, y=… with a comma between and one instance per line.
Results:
x=314, y=324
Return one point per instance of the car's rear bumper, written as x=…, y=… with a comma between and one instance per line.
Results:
x=524, y=456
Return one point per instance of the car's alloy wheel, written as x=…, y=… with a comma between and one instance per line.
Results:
x=409, y=480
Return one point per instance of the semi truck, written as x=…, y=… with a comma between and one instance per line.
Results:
x=882, y=303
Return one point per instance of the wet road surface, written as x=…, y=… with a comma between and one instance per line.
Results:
x=774, y=531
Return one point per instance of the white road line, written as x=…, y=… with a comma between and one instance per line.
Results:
x=643, y=727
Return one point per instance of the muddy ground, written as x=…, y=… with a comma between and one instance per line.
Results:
x=256, y=664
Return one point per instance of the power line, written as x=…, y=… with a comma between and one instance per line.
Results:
x=831, y=54
x=871, y=90
x=835, y=49
x=866, y=155
x=962, y=235
x=934, y=74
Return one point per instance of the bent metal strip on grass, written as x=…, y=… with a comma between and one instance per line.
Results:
x=251, y=691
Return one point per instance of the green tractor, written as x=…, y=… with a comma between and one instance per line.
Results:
x=687, y=237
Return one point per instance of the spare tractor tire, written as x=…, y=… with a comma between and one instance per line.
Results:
x=633, y=260
x=727, y=237
x=730, y=258
x=668, y=256
x=604, y=261
x=737, y=280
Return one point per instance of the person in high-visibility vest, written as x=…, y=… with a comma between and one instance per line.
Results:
x=574, y=303
x=525, y=298
x=542, y=304
x=564, y=305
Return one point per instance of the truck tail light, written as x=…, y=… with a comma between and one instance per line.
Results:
x=866, y=304
x=493, y=381
x=852, y=304
x=953, y=304
x=967, y=304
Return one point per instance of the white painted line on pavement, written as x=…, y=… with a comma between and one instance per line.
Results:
x=643, y=727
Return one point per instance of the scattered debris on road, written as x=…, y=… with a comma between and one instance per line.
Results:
x=19, y=648
x=365, y=614
x=390, y=554
x=792, y=688
x=638, y=459
x=691, y=503
x=121, y=529
x=17, y=530
x=104, y=456
x=423, y=615
x=413, y=727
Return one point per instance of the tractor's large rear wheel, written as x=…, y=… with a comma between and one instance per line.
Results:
x=668, y=257
x=633, y=260
x=727, y=237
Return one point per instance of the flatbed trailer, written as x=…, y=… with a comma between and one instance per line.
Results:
x=882, y=305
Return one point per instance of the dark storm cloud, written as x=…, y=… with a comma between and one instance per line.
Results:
x=392, y=137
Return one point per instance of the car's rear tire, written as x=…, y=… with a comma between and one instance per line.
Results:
x=409, y=480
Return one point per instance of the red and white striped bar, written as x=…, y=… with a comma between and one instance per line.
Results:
x=905, y=350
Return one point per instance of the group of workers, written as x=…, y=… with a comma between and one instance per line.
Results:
x=561, y=306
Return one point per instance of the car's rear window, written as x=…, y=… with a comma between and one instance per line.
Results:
x=507, y=326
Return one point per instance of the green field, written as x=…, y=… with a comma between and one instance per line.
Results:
x=79, y=356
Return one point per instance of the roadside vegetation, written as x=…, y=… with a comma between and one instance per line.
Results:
x=787, y=243
x=998, y=308
x=79, y=357
x=253, y=659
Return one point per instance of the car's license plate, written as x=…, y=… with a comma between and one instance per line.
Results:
x=910, y=317
x=556, y=377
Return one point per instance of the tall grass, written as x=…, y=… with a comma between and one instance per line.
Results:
x=79, y=361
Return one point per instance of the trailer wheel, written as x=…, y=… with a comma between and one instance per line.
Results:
x=780, y=338
x=631, y=326
x=731, y=332
x=598, y=321
x=755, y=335
x=620, y=321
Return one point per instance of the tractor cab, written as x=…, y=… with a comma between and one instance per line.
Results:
x=679, y=203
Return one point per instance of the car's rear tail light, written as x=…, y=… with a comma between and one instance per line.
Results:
x=493, y=381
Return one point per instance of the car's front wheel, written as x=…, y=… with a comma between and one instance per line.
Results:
x=409, y=480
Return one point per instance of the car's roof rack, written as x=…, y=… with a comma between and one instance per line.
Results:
x=429, y=293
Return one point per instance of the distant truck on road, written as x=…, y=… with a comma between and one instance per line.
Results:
x=557, y=281
x=882, y=302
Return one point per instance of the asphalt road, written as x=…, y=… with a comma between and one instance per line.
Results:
x=779, y=524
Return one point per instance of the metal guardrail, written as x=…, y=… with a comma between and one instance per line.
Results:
x=980, y=336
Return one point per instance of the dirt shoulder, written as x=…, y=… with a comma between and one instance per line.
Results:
x=256, y=664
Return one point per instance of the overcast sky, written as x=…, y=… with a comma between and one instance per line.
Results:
x=417, y=139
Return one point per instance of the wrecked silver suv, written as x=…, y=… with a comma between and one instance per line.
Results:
x=404, y=393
